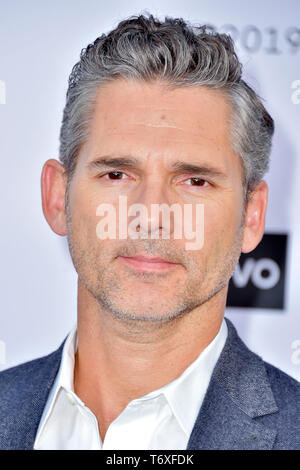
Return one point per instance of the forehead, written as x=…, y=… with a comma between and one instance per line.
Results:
x=139, y=118
x=155, y=103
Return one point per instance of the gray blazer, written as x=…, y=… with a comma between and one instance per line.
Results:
x=249, y=403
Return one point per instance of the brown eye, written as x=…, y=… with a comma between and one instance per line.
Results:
x=115, y=175
x=197, y=181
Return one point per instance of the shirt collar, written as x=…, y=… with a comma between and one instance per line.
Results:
x=66, y=372
x=64, y=379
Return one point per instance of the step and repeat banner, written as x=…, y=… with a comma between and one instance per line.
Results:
x=39, y=44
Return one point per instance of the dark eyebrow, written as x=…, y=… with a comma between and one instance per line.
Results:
x=205, y=170
x=112, y=162
x=130, y=162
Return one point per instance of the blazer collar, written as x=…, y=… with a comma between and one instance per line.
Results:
x=239, y=391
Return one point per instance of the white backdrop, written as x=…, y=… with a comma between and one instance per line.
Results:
x=39, y=44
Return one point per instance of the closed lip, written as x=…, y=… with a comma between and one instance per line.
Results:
x=149, y=259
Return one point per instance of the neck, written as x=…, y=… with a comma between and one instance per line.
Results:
x=118, y=361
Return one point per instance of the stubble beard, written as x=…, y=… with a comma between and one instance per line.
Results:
x=104, y=285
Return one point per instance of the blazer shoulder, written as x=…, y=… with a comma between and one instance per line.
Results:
x=19, y=381
x=23, y=393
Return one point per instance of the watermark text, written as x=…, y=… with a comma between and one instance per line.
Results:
x=183, y=218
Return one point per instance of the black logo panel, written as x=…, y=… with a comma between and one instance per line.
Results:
x=259, y=277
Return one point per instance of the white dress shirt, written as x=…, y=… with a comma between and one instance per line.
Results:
x=162, y=419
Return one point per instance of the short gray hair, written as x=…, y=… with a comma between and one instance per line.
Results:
x=145, y=48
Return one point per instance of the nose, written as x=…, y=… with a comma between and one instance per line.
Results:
x=153, y=202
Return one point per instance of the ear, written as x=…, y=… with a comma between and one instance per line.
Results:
x=255, y=214
x=53, y=187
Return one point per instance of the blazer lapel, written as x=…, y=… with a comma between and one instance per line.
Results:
x=239, y=392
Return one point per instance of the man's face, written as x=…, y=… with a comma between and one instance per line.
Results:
x=156, y=127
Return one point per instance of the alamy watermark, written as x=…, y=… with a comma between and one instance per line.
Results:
x=2, y=92
x=295, y=358
x=183, y=227
x=295, y=97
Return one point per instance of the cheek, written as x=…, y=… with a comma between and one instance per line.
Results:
x=221, y=222
x=84, y=202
